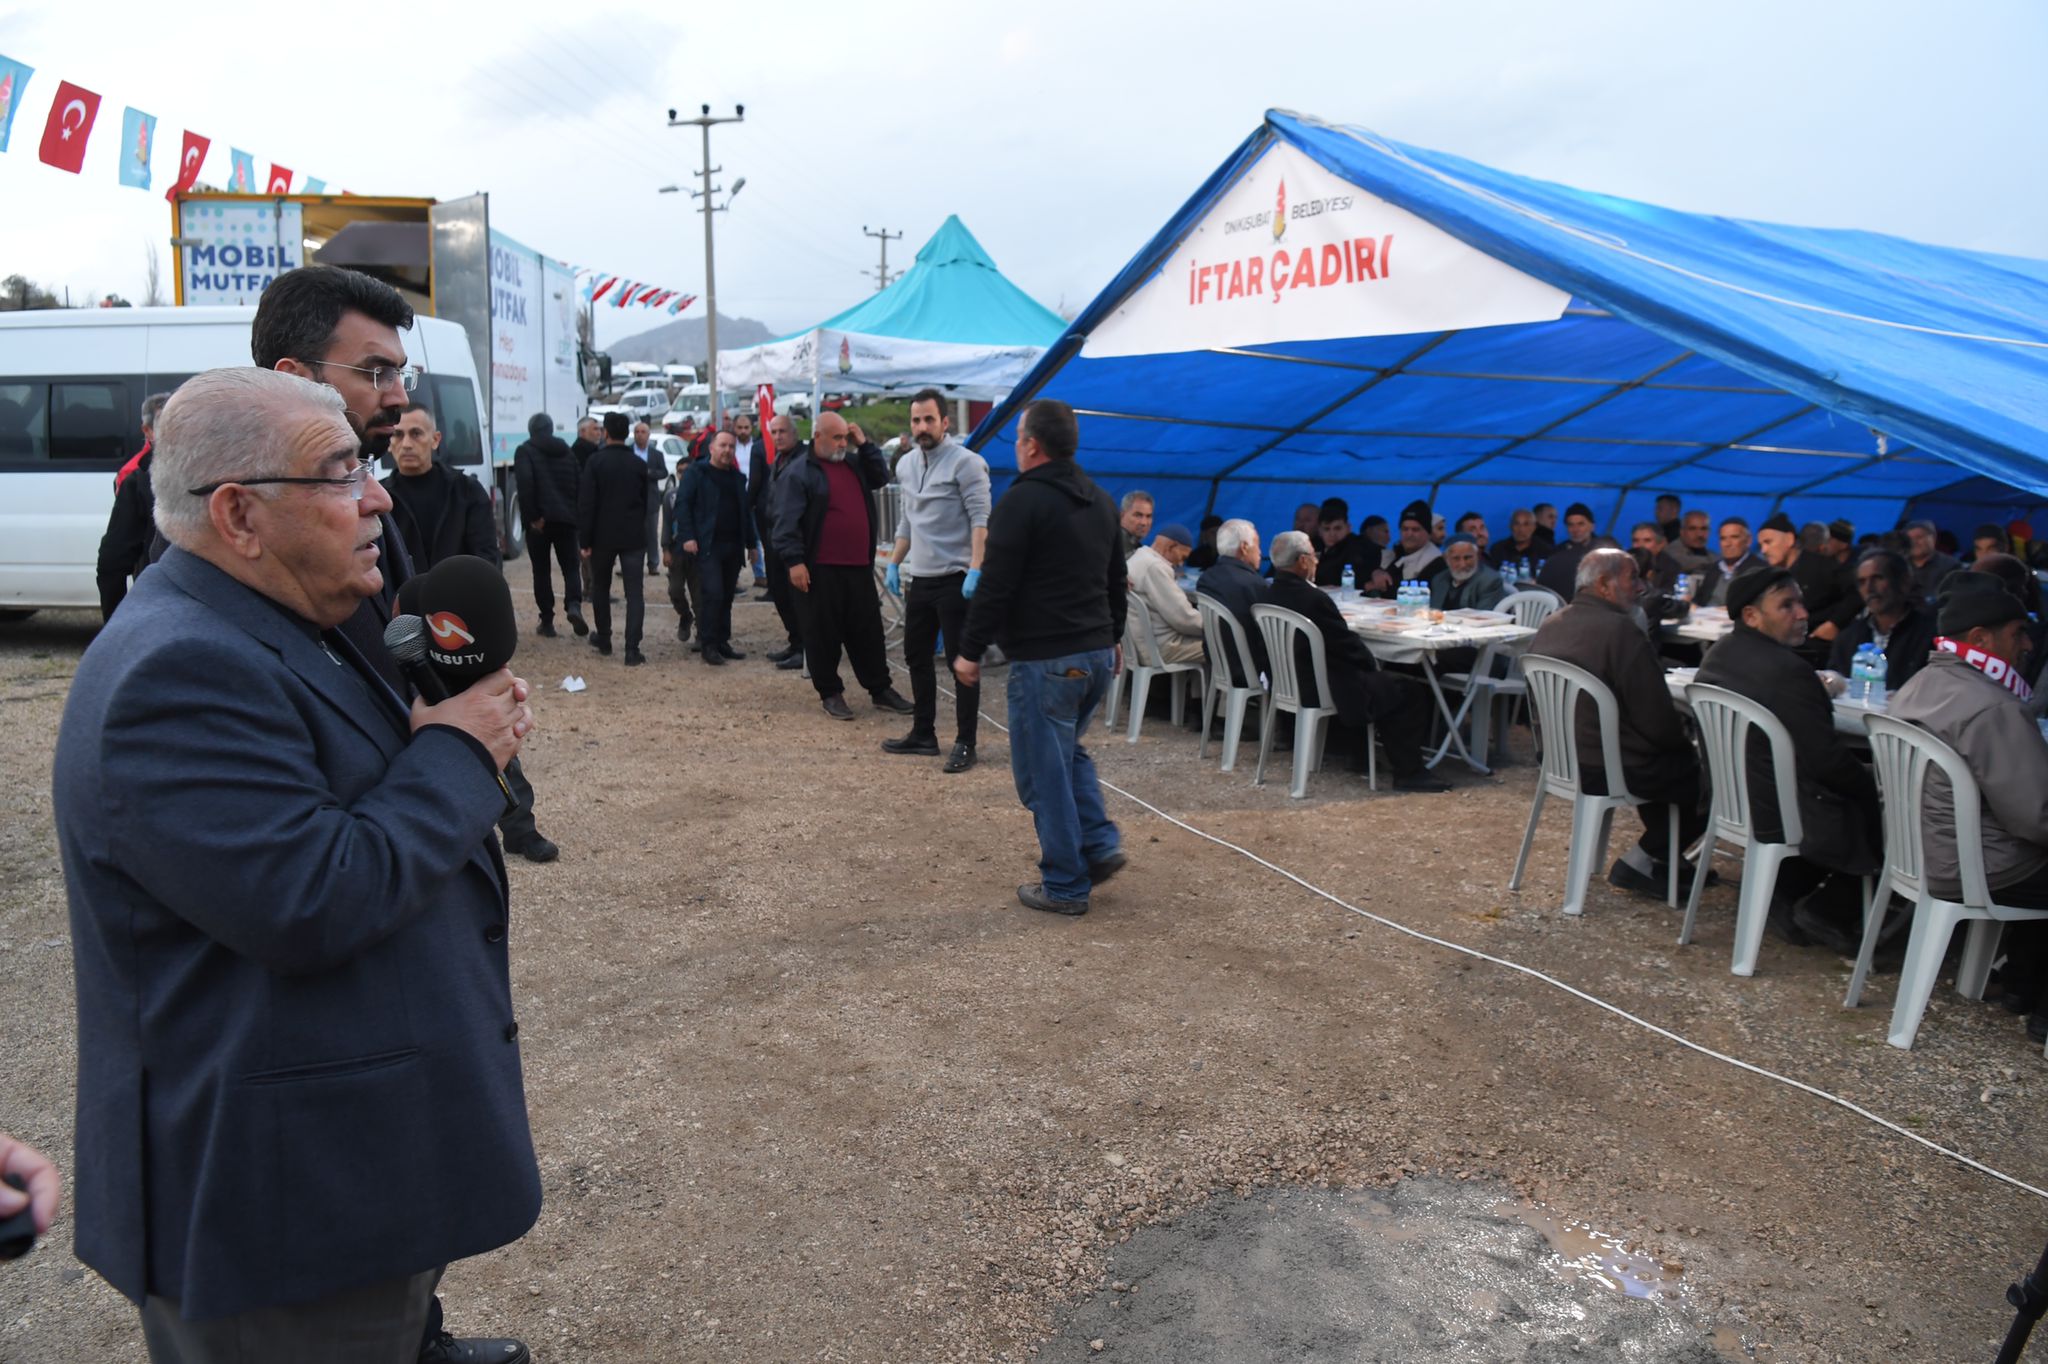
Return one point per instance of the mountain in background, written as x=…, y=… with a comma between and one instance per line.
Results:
x=682, y=341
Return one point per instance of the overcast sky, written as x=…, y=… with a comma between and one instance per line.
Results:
x=1063, y=134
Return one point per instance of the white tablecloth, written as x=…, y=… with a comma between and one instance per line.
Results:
x=1848, y=714
x=1702, y=625
x=1411, y=639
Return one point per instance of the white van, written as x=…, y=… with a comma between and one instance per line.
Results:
x=72, y=383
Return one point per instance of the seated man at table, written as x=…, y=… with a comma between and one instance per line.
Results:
x=1339, y=549
x=1893, y=619
x=1234, y=581
x=1735, y=561
x=1600, y=632
x=1663, y=572
x=1521, y=542
x=1474, y=525
x=1822, y=585
x=1819, y=892
x=1154, y=572
x=1362, y=694
x=1466, y=583
x=1971, y=696
x=1418, y=560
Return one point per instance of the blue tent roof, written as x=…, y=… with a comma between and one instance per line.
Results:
x=1746, y=366
x=953, y=293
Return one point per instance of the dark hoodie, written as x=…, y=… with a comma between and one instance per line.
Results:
x=1052, y=580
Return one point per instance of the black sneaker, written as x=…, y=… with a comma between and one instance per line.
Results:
x=728, y=651
x=836, y=707
x=1099, y=872
x=713, y=657
x=1033, y=896
x=1624, y=877
x=547, y=630
x=682, y=632
x=914, y=744
x=576, y=622
x=634, y=658
x=601, y=644
x=535, y=849
x=960, y=759
x=888, y=698
x=788, y=651
x=446, y=1349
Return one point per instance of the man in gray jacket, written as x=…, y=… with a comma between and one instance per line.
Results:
x=940, y=538
x=1972, y=697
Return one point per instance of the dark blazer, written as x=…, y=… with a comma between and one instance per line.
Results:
x=801, y=494
x=1560, y=572
x=611, y=507
x=296, y=1072
x=760, y=479
x=1349, y=660
x=463, y=522
x=1603, y=639
x=1239, y=588
x=548, y=474
x=695, y=510
x=1711, y=581
x=1837, y=797
x=124, y=549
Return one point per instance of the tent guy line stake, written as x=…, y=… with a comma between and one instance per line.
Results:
x=1572, y=990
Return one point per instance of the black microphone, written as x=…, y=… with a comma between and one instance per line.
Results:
x=471, y=630
x=406, y=638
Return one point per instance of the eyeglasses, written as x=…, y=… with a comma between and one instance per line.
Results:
x=355, y=480
x=382, y=376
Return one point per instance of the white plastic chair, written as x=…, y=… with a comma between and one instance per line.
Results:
x=1555, y=690
x=1905, y=755
x=1226, y=639
x=1530, y=608
x=1142, y=663
x=1278, y=626
x=1725, y=719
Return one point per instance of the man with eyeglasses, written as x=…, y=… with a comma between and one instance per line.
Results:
x=340, y=328
x=299, y=1092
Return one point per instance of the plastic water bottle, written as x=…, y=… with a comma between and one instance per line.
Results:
x=1350, y=581
x=1859, y=674
x=1682, y=589
x=1526, y=575
x=1880, y=673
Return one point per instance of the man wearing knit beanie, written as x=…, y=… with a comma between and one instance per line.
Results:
x=1972, y=695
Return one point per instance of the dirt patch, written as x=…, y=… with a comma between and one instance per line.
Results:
x=807, y=1084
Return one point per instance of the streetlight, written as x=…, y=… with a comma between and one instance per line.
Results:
x=704, y=123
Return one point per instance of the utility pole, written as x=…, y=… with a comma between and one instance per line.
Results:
x=881, y=275
x=704, y=122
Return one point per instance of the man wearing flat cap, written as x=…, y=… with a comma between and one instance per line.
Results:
x=1819, y=892
x=1972, y=695
x=1468, y=582
x=1154, y=571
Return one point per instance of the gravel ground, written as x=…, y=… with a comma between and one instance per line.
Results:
x=807, y=1084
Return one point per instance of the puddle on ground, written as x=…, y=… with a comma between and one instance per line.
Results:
x=1590, y=1254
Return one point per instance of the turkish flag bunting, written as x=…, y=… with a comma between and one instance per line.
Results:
x=764, y=404
x=280, y=179
x=189, y=162
x=71, y=116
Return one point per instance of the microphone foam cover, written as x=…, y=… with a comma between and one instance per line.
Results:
x=409, y=596
x=406, y=638
x=471, y=631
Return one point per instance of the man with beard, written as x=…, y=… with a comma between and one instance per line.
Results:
x=1602, y=632
x=1466, y=582
x=1838, y=807
x=1689, y=551
x=548, y=473
x=589, y=440
x=340, y=328
x=1135, y=516
x=940, y=537
x=1893, y=619
x=711, y=525
x=1929, y=564
x=766, y=464
x=824, y=530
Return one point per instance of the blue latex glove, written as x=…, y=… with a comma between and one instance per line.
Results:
x=973, y=581
x=892, y=578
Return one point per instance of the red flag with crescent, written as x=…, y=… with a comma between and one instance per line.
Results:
x=764, y=407
x=189, y=162
x=71, y=116
x=280, y=180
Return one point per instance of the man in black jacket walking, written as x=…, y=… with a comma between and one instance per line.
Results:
x=824, y=529
x=131, y=525
x=712, y=524
x=769, y=459
x=611, y=523
x=1052, y=594
x=548, y=473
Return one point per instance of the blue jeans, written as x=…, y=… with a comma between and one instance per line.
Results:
x=1051, y=702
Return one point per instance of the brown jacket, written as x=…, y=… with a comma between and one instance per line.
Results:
x=1991, y=729
x=1603, y=639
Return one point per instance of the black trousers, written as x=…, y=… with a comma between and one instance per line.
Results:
x=653, y=530
x=779, y=590
x=684, y=590
x=1672, y=778
x=516, y=826
x=550, y=547
x=1399, y=713
x=842, y=613
x=933, y=609
x=627, y=562
x=718, y=576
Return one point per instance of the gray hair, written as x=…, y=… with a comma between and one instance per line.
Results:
x=220, y=426
x=152, y=408
x=1234, y=535
x=1601, y=566
x=1288, y=548
x=1133, y=498
x=1813, y=536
